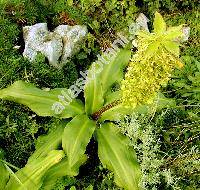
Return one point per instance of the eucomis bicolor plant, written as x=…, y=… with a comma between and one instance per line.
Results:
x=145, y=71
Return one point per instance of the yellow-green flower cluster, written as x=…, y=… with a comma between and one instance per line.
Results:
x=150, y=67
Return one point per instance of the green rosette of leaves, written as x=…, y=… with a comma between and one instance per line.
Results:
x=95, y=116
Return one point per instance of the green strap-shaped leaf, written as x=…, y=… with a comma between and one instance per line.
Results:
x=54, y=173
x=116, y=113
x=40, y=101
x=93, y=92
x=72, y=188
x=76, y=136
x=30, y=177
x=173, y=33
x=119, y=111
x=4, y=176
x=90, y=187
x=159, y=24
x=117, y=156
x=113, y=96
x=101, y=78
x=146, y=35
x=172, y=47
x=48, y=142
x=113, y=71
x=152, y=48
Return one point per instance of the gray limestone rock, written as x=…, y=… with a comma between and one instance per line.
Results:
x=72, y=36
x=60, y=44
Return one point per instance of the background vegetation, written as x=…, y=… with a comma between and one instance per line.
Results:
x=168, y=148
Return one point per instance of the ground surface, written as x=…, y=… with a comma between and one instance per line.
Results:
x=178, y=128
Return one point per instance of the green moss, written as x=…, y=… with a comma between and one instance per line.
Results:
x=110, y=14
x=25, y=11
x=167, y=5
x=103, y=18
x=39, y=72
x=17, y=131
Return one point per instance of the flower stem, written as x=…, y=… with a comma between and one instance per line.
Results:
x=97, y=114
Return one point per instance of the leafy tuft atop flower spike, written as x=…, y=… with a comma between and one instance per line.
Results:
x=152, y=65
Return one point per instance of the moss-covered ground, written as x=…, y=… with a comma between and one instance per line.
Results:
x=19, y=127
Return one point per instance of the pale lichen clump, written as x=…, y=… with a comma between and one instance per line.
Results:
x=153, y=63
